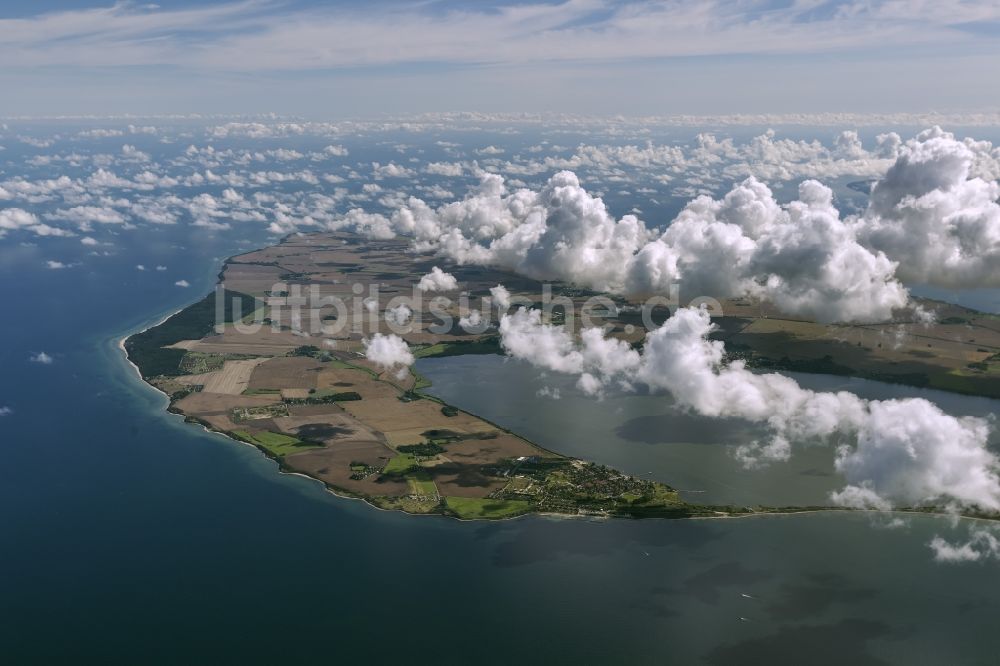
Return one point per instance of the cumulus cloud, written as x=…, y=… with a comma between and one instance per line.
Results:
x=891, y=452
x=55, y=265
x=389, y=352
x=559, y=232
x=399, y=315
x=802, y=256
x=936, y=215
x=85, y=216
x=501, y=297
x=132, y=153
x=391, y=170
x=12, y=219
x=452, y=169
x=182, y=283
x=932, y=218
x=6, y=411
x=437, y=280
x=596, y=360
x=982, y=544
x=473, y=322
x=370, y=225
x=42, y=358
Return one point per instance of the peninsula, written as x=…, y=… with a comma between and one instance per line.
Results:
x=245, y=363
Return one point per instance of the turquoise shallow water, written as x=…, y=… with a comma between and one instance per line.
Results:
x=127, y=536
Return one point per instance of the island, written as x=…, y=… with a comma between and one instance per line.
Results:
x=245, y=363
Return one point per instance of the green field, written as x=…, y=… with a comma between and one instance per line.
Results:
x=196, y=362
x=467, y=507
x=338, y=363
x=401, y=464
x=489, y=345
x=275, y=443
x=419, y=381
x=421, y=483
x=325, y=396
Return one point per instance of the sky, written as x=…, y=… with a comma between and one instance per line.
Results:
x=363, y=59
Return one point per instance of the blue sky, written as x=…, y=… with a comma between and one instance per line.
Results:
x=588, y=56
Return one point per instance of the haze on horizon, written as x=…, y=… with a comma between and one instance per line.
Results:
x=66, y=57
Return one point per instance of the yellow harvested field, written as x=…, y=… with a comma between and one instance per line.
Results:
x=264, y=342
x=403, y=422
x=187, y=345
x=286, y=372
x=195, y=380
x=233, y=378
x=327, y=428
x=203, y=403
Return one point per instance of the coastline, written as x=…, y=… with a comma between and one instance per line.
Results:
x=562, y=516
x=124, y=338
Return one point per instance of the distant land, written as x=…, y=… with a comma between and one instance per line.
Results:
x=321, y=409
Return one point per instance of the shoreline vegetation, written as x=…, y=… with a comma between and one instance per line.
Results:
x=544, y=482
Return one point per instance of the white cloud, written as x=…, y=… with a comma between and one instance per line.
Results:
x=130, y=152
x=42, y=358
x=935, y=216
x=802, y=256
x=182, y=283
x=84, y=216
x=982, y=544
x=336, y=151
x=389, y=352
x=6, y=411
x=13, y=219
x=87, y=240
x=452, y=169
x=473, y=322
x=99, y=133
x=370, y=225
x=140, y=267
x=55, y=265
x=391, y=170
x=501, y=297
x=548, y=392
x=399, y=315
x=437, y=280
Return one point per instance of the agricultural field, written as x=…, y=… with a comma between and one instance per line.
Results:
x=470, y=508
x=274, y=443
